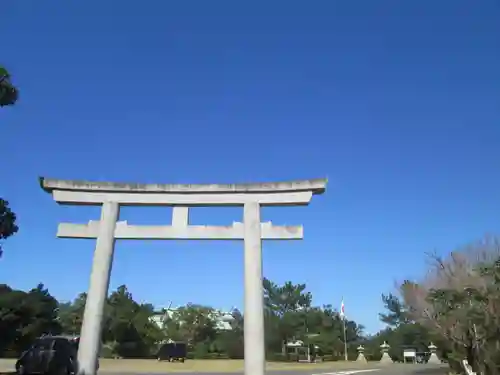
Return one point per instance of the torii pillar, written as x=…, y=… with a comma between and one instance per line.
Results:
x=110, y=196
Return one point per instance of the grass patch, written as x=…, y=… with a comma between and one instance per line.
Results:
x=196, y=365
x=210, y=365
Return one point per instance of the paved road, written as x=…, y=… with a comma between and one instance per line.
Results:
x=395, y=369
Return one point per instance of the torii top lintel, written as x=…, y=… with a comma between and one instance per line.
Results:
x=315, y=186
x=265, y=194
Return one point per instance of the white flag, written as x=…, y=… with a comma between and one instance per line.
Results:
x=342, y=312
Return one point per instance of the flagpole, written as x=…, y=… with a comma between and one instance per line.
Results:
x=345, y=340
x=342, y=314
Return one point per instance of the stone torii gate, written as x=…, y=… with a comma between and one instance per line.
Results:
x=110, y=196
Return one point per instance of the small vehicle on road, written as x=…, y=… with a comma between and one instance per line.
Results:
x=172, y=351
x=50, y=355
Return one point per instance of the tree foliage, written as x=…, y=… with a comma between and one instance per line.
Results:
x=193, y=324
x=290, y=316
x=231, y=341
x=459, y=301
x=25, y=316
x=71, y=314
x=456, y=308
x=8, y=92
x=8, y=225
x=283, y=310
x=401, y=331
x=129, y=331
x=8, y=96
x=395, y=314
x=128, y=325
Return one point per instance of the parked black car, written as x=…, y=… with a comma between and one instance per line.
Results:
x=172, y=351
x=50, y=355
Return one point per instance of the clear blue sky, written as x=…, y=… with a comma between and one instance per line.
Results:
x=397, y=103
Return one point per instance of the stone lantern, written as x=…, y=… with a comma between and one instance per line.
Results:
x=361, y=354
x=433, y=359
x=386, y=358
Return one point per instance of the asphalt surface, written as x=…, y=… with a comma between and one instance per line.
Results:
x=375, y=369
x=396, y=369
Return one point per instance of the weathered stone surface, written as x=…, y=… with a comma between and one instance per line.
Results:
x=433, y=359
x=386, y=358
x=317, y=186
x=361, y=354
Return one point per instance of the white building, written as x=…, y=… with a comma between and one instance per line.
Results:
x=222, y=319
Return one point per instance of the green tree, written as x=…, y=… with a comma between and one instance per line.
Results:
x=195, y=325
x=325, y=329
x=8, y=225
x=128, y=325
x=401, y=332
x=395, y=314
x=71, y=314
x=231, y=341
x=43, y=309
x=458, y=300
x=8, y=92
x=8, y=96
x=129, y=331
x=25, y=316
x=12, y=316
x=284, y=306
